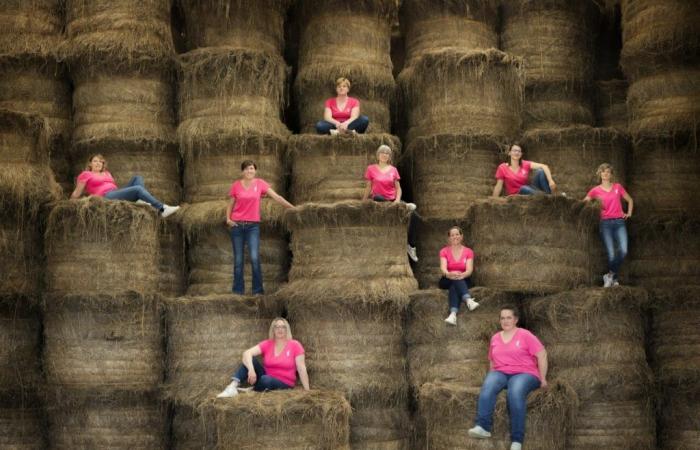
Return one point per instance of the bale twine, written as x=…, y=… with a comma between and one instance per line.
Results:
x=482, y=88
x=210, y=252
x=21, y=423
x=557, y=105
x=445, y=406
x=431, y=237
x=679, y=420
x=30, y=27
x=115, y=242
x=575, y=153
x=438, y=352
x=611, y=104
x=331, y=168
x=103, y=342
x=171, y=259
x=531, y=244
x=292, y=420
x=20, y=337
x=463, y=25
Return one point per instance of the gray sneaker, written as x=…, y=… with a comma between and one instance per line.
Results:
x=607, y=280
x=168, y=211
x=412, y=253
x=516, y=446
x=230, y=391
x=479, y=433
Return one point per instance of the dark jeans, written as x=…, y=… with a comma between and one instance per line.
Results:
x=411, y=222
x=134, y=190
x=457, y=290
x=539, y=184
x=246, y=234
x=264, y=383
x=359, y=125
x=613, y=232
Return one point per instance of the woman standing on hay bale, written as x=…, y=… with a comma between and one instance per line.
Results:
x=384, y=186
x=518, y=363
x=515, y=176
x=456, y=265
x=97, y=180
x=342, y=113
x=613, y=231
x=282, y=358
x=243, y=217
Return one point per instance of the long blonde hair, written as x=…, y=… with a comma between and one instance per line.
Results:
x=271, y=333
x=88, y=166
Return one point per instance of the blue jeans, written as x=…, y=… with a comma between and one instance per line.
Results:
x=539, y=184
x=134, y=190
x=519, y=386
x=411, y=221
x=248, y=234
x=457, y=290
x=264, y=382
x=359, y=125
x=613, y=232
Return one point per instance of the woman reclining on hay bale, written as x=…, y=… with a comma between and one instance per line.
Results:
x=243, y=218
x=383, y=183
x=342, y=113
x=613, y=231
x=97, y=180
x=456, y=265
x=282, y=358
x=515, y=176
x=518, y=363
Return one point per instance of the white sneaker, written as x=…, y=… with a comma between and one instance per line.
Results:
x=141, y=202
x=168, y=211
x=479, y=433
x=335, y=132
x=412, y=253
x=607, y=280
x=452, y=319
x=615, y=283
x=411, y=206
x=516, y=446
x=230, y=391
x=472, y=304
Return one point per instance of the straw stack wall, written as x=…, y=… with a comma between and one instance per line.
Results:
x=30, y=27
x=679, y=420
x=611, y=104
x=171, y=259
x=557, y=105
x=22, y=424
x=21, y=252
x=20, y=337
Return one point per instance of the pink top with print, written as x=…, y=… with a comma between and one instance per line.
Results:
x=513, y=180
x=282, y=366
x=516, y=356
x=341, y=115
x=610, y=201
x=97, y=183
x=247, y=206
x=383, y=183
x=459, y=265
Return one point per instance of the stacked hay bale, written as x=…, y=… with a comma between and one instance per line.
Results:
x=610, y=83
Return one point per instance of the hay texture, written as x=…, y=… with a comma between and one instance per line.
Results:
x=438, y=352
x=381, y=428
x=21, y=252
x=30, y=27
x=679, y=421
x=293, y=420
x=171, y=259
x=210, y=250
x=449, y=410
x=192, y=428
x=431, y=237
x=97, y=246
x=462, y=25
x=482, y=88
x=22, y=424
x=23, y=140
x=531, y=244
x=574, y=154
x=20, y=337
x=557, y=105
x=611, y=104
x=103, y=343
x=331, y=168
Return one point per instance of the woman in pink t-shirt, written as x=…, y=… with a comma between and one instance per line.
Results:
x=613, y=231
x=243, y=219
x=383, y=186
x=457, y=266
x=341, y=114
x=516, y=173
x=282, y=359
x=518, y=363
x=96, y=180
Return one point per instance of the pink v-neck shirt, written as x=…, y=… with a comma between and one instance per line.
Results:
x=457, y=265
x=383, y=183
x=341, y=115
x=97, y=183
x=247, y=206
x=282, y=366
x=516, y=356
x=513, y=181
x=610, y=201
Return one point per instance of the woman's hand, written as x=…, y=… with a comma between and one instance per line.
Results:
x=343, y=126
x=544, y=384
x=230, y=223
x=252, y=377
x=626, y=215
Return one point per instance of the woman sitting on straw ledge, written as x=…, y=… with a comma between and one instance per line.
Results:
x=515, y=174
x=341, y=114
x=457, y=266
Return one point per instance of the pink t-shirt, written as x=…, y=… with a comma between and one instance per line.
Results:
x=247, y=207
x=283, y=366
x=341, y=115
x=383, y=183
x=456, y=265
x=518, y=355
x=513, y=180
x=612, y=206
x=97, y=183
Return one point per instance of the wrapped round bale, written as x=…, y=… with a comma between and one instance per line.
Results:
x=20, y=338
x=679, y=420
x=431, y=238
x=30, y=27
x=611, y=104
x=531, y=244
x=331, y=168
x=21, y=422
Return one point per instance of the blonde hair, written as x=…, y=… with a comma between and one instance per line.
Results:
x=342, y=80
x=88, y=166
x=271, y=333
x=384, y=149
x=603, y=167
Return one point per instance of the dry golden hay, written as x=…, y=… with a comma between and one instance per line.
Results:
x=60, y=164
x=679, y=421
x=97, y=246
x=619, y=424
x=192, y=428
x=608, y=41
x=30, y=27
x=449, y=408
x=574, y=154
x=210, y=251
x=554, y=37
x=381, y=427
x=24, y=139
x=228, y=94
x=331, y=168
x=171, y=259
x=483, y=88
x=431, y=237
x=292, y=420
x=103, y=343
x=21, y=423
x=462, y=25
x=20, y=338
x=21, y=255
x=611, y=104
x=438, y=352
x=557, y=105
x=531, y=244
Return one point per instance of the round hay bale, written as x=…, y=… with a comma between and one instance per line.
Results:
x=283, y=419
x=445, y=406
x=438, y=352
x=557, y=105
x=609, y=42
x=575, y=153
x=30, y=27
x=21, y=423
x=679, y=421
x=330, y=168
x=531, y=244
x=20, y=337
x=103, y=343
x=482, y=88
x=463, y=25
x=20, y=251
x=192, y=428
x=378, y=427
x=115, y=242
x=23, y=140
x=619, y=424
x=431, y=238
x=210, y=252
x=611, y=104
x=171, y=259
